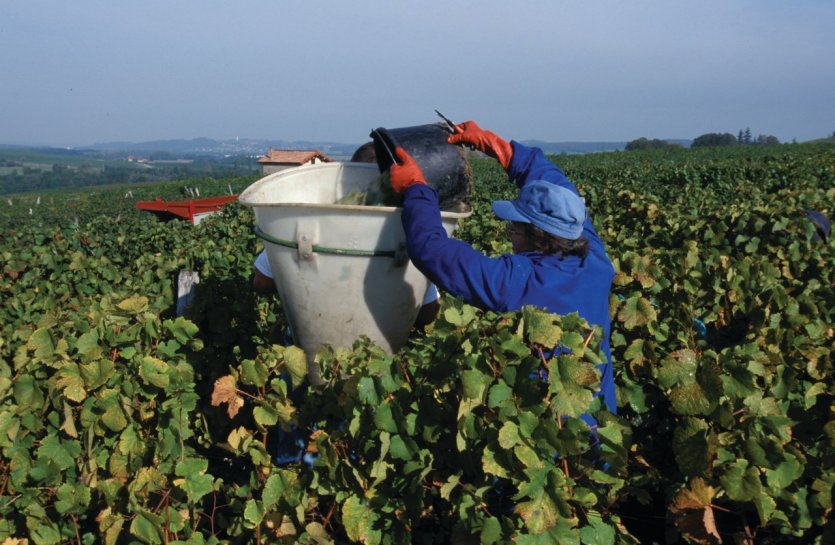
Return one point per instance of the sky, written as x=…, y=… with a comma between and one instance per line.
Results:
x=90, y=71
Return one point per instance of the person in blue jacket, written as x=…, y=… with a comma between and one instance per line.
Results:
x=558, y=262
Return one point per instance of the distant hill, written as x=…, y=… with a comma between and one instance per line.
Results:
x=248, y=146
x=574, y=147
x=827, y=140
x=233, y=146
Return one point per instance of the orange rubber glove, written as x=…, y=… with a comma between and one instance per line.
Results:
x=485, y=141
x=406, y=172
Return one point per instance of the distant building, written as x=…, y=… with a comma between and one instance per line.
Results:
x=279, y=159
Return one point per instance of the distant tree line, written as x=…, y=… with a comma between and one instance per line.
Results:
x=744, y=138
x=646, y=143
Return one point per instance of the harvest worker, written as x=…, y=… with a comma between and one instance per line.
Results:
x=558, y=261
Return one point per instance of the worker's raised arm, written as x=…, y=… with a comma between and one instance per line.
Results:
x=520, y=162
x=470, y=134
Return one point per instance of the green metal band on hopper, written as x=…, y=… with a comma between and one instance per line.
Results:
x=324, y=249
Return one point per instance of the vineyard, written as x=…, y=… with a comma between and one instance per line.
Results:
x=121, y=422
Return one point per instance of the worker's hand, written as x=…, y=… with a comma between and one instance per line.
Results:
x=406, y=172
x=470, y=133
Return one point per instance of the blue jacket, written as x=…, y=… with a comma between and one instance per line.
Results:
x=511, y=281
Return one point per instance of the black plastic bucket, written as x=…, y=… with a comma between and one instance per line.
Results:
x=444, y=165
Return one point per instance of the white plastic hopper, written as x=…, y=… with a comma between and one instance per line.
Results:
x=341, y=270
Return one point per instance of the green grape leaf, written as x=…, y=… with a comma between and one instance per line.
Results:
x=597, y=532
x=784, y=474
x=541, y=328
x=27, y=393
x=110, y=526
x=540, y=513
x=195, y=482
x=97, y=373
x=359, y=520
x=689, y=399
x=509, y=435
x=41, y=342
x=134, y=305
x=318, y=533
x=45, y=534
x=154, y=371
x=491, y=531
x=182, y=329
x=399, y=448
x=695, y=388
x=129, y=441
x=383, y=418
x=810, y=398
x=498, y=394
x=88, y=345
x=273, y=489
x=450, y=485
x=147, y=528
x=70, y=381
x=637, y=311
x=72, y=499
x=265, y=415
x=766, y=507
x=528, y=422
x=635, y=351
x=741, y=481
x=459, y=317
x=693, y=447
x=254, y=372
x=679, y=366
x=367, y=391
x=113, y=416
x=572, y=384
x=59, y=452
x=253, y=512
x=562, y=534
x=296, y=363
x=5, y=386
x=475, y=383
x=492, y=465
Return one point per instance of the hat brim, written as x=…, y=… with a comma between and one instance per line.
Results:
x=506, y=211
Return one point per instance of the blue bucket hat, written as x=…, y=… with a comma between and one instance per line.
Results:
x=553, y=208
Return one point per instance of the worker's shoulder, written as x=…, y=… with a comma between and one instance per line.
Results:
x=599, y=259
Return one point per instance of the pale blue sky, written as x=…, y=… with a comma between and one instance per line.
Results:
x=85, y=71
